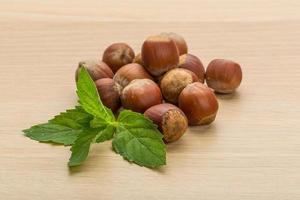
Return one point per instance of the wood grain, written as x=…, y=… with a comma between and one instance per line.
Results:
x=250, y=152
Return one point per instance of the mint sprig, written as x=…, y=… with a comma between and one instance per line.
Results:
x=135, y=137
x=90, y=99
x=54, y=133
x=74, y=118
x=80, y=148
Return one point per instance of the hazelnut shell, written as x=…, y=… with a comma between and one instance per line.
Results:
x=141, y=94
x=97, y=69
x=171, y=121
x=130, y=72
x=199, y=104
x=179, y=41
x=117, y=55
x=174, y=81
x=159, y=55
x=224, y=76
x=192, y=63
x=109, y=92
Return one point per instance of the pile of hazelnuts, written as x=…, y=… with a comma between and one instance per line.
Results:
x=164, y=82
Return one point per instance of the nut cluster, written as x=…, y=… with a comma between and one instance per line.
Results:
x=164, y=82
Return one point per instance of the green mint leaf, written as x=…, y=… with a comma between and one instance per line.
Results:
x=76, y=118
x=138, y=140
x=80, y=148
x=52, y=133
x=105, y=134
x=136, y=120
x=90, y=99
x=62, y=129
x=98, y=123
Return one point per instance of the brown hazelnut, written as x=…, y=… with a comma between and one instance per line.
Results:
x=97, y=69
x=171, y=121
x=224, y=76
x=117, y=55
x=109, y=92
x=138, y=59
x=141, y=94
x=174, y=81
x=129, y=72
x=179, y=41
x=192, y=63
x=159, y=54
x=199, y=104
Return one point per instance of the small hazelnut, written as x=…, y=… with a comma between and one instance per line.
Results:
x=141, y=94
x=129, y=72
x=138, y=59
x=174, y=81
x=109, y=92
x=96, y=69
x=159, y=54
x=117, y=55
x=199, y=104
x=192, y=63
x=224, y=76
x=179, y=41
x=170, y=120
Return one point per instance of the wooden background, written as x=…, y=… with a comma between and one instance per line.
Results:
x=252, y=151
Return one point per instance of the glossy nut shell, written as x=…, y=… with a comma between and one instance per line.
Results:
x=130, y=72
x=159, y=55
x=224, y=76
x=97, y=69
x=192, y=63
x=109, y=92
x=118, y=55
x=199, y=104
x=141, y=94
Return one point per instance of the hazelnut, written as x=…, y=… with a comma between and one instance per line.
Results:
x=159, y=54
x=117, y=55
x=224, y=76
x=97, y=69
x=130, y=72
x=109, y=92
x=141, y=94
x=174, y=81
x=138, y=59
x=179, y=41
x=192, y=63
x=171, y=121
x=199, y=104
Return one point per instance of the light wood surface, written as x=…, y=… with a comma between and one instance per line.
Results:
x=252, y=151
